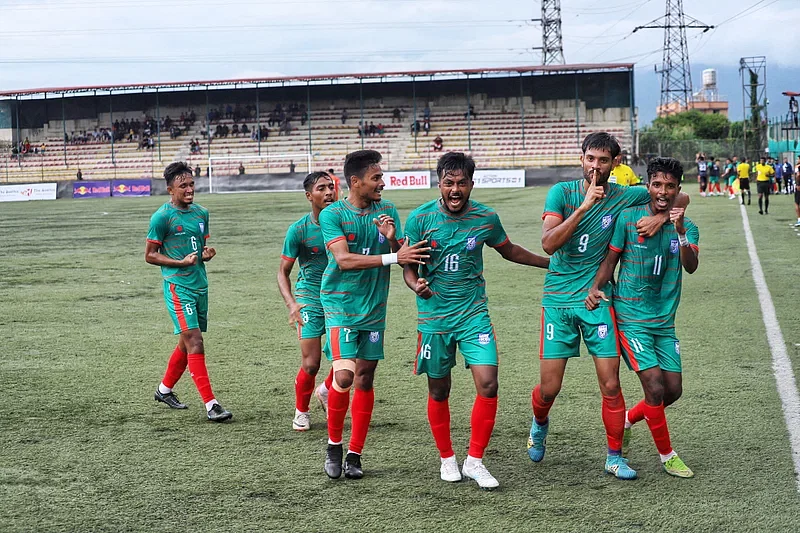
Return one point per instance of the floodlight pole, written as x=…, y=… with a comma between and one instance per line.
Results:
x=208, y=139
x=308, y=119
x=64, y=126
x=414, y=99
x=361, y=103
x=522, y=109
x=158, y=127
x=111, y=121
x=577, y=112
x=19, y=152
x=469, y=119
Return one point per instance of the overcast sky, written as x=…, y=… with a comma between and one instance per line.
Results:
x=49, y=43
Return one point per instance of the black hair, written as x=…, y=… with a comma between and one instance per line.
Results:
x=602, y=141
x=330, y=171
x=452, y=161
x=666, y=165
x=357, y=163
x=173, y=170
x=312, y=179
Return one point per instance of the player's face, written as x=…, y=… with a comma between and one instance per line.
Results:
x=663, y=191
x=321, y=195
x=371, y=185
x=597, y=163
x=182, y=190
x=455, y=188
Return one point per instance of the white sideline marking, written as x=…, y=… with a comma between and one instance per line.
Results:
x=781, y=365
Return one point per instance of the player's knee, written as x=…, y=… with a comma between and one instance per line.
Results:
x=364, y=381
x=654, y=393
x=193, y=341
x=549, y=390
x=609, y=386
x=439, y=394
x=310, y=367
x=672, y=394
x=343, y=379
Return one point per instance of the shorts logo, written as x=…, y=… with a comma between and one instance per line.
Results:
x=202, y=227
x=602, y=331
x=484, y=338
x=673, y=246
x=471, y=243
x=374, y=336
x=677, y=347
x=607, y=221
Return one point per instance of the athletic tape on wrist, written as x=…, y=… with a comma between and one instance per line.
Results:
x=389, y=259
x=683, y=240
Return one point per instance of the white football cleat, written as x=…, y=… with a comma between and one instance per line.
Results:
x=475, y=469
x=322, y=395
x=449, y=470
x=301, y=421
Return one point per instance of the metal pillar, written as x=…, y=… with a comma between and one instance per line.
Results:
x=577, y=112
x=113, y=133
x=308, y=119
x=361, y=102
x=64, y=128
x=258, y=121
x=208, y=135
x=753, y=71
x=632, y=111
x=522, y=108
x=469, y=119
x=414, y=131
x=158, y=126
x=552, y=47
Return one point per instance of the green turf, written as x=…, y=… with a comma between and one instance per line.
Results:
x=84, y=340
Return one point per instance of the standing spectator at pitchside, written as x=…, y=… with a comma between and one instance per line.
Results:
x=197, y=171
x=241, y=168
x=787, y=171
x=797, y=193
x=292, y=166
x=79, y=177
x=702, y=173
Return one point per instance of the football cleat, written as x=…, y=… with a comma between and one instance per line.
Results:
x=352, y=466
x=169, y=399
x=449, y=470
x=322, y=397
x=617, y=466
x=674, y=466
x=217, y=413
x=301, y=421
x=536, y=440
x=477, y=470
x=333, y=461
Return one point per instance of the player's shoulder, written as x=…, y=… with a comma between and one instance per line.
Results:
x=689, y=223
x=634, y=212
x=332, y=211
x=301, y=223
x=164, y=211
x=478, y=209
x=383, y=206
x=427, y=209
x=567, y=186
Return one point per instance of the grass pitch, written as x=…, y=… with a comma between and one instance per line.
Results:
x=85, y=337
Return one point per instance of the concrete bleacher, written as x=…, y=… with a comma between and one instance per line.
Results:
x=494, y=137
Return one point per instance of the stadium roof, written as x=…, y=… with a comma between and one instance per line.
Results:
x=130, y=87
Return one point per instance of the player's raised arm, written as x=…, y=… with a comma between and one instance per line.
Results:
x=688, y=245
x=153, y=256
x=346, y=260
x=556, y=231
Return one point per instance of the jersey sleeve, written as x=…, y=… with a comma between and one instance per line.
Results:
x=159, y=225
x=692, y=234
x=291, y=245
x=554, y=204
x=617, y=242
x=637, y=196
x=412, y=229
x=330, y=224
x=398, y=227
x=498, y=235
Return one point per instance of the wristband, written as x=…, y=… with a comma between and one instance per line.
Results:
x=682, y=240
x=389, y=259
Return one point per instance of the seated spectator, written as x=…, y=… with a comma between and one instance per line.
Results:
x=426, y=126
x=241, y=169
x=379, y=129
x=286, y=127
x=470, y=112
x=372, y=129
x=438, y=144
x=360, y=131
x=245, y=130
x=197, y=171
x=235, y=130
x=395, y=115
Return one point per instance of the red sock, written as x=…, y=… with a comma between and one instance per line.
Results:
x=361, y=414
x=657, y=422
x=614, y=421
x=439, y=419
x=329, y=380
x=175, y=368
x=540, y=408
x=484, y=412
x=197, y=368
x=303, y=387
x=636, y=413
x=337, y=410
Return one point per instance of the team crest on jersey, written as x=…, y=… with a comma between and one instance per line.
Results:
x=602, y=331
x=673, y=246
x=677, y=347
x=484, y=338
x=381, y=238
x=374, y=336
x=607, y=221
x=202, y=227
x=471, y=243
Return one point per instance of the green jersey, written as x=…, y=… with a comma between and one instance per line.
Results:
x=180, y=232
x=356, y=298
x=304, y=242
x=455, y=268
x=574, y=265
x=648, y=290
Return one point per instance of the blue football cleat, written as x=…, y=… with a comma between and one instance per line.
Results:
x=617, y=465
x=536, y=440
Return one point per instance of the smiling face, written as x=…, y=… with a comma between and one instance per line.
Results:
x=181, y=190
x=597, y=163
x=663, y=188
x=369, y=187
x=455, y=188
x=321, y=195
